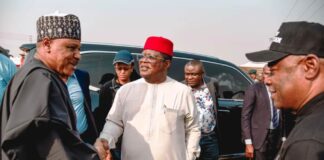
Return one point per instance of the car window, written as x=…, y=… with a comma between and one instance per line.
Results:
x=177, y=68
x=98, y=64
x=232, y=82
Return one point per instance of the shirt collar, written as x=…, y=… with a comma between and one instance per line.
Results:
x=73, y=76
x=201, y=87
x=114, y=84
x=310, y=107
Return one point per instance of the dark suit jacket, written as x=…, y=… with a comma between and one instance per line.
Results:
x=37, y=118
x=91, y=133
x=256, y=114
x=106, y=97
x=212, y=86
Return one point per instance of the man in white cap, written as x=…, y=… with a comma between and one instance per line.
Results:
x=37, y=117
x=296, y=61
x=156, y=114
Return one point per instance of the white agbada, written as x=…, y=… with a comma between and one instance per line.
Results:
x=158, y=121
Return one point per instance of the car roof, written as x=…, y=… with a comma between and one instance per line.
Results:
x=27, y=47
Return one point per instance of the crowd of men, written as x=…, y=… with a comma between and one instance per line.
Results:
x=46, y=112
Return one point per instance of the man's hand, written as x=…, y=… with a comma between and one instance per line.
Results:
x=103, y=149
x=249, y=151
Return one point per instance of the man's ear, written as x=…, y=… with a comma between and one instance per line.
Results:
x=46, y=43
x=167, y=63
x=311, y=66
x=132, y=67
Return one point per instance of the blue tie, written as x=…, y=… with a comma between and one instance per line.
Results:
x=275, y=120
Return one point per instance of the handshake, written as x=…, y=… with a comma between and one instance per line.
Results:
x=102, y=148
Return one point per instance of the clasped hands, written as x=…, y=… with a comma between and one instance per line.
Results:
x=103, y=149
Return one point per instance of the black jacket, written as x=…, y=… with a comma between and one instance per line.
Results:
x=106, y=97
x=38, y=119
x=256, y=114
x=306, y=140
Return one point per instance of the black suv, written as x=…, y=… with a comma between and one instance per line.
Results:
x=97, y=60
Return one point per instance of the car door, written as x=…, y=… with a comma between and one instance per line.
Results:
x=232, y=84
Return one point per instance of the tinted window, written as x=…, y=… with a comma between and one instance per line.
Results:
x=232, y=83
x=97, y=64
x=177, y=68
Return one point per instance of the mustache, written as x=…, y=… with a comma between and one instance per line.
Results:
x=74, y=62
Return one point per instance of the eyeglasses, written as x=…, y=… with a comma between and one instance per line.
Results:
x=150, y=58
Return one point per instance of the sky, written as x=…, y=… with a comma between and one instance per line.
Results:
x=226, y=29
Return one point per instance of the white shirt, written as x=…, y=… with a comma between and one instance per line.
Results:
x=158, y=121
x=271, y=109
x=206, y=109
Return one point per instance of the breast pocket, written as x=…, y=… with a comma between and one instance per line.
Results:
x=168, y=120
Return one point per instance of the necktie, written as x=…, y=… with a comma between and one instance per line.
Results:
x=275, y=120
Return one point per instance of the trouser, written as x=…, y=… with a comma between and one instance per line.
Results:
x=208, y=147
x=270, y=147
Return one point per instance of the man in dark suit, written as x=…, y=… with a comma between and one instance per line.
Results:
x=260, y=122
x=82, y=105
